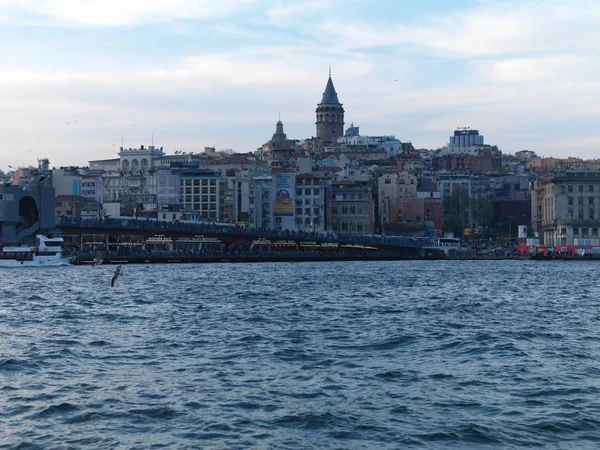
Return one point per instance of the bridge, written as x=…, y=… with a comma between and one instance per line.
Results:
x=232, y=235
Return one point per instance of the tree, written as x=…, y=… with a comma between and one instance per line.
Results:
x=453, y=224
x=456, y=210
x=483, y=211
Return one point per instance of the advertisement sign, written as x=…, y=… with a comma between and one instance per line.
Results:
x=522, y=232
x=285, y=185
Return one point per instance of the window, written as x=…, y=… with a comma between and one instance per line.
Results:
x=580, y=201
x=591, y=200
x=594, y=231
x=352, y=210
x=335, y=210
x=570, y=188
x=581, y=214
x=307, y=211
x=344, y=210
x=581, y=188
x=388, y=181
x=570, y=200
x=575, y=231
x=592, y=213
x=584, y=231
x=298, y=192
x=298, y=221
x=307, y=202
x=316, y=210
x=591, y=188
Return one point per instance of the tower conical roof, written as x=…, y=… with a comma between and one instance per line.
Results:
x=330, y=96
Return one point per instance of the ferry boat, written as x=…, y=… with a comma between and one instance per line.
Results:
x=450, y=246
x=47, y=254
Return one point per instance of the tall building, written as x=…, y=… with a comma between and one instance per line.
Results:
x=465, y=137
x=330, y=115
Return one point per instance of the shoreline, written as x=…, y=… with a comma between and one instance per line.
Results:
x=204, y=259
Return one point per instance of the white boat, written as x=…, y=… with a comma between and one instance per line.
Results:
x=450, y=246
x=47, y=254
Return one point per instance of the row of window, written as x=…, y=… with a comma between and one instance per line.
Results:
x=348, y=210
x=307, y=211
x=307, y=221
x=199, y=198
x=205, y=190
x=591, y=214
x=580, y=188
x=201, y=207
x=348, y=226
x=352, y=196
x=307, y=191
x=584, y=231
x=591, y=201
x=197, y=182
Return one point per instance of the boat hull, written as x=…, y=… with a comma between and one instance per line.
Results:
x=37, y=261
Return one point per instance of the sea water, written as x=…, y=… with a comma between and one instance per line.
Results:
x=423, y=354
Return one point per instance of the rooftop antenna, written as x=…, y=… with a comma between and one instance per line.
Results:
x=329, y=70
x=279, y=113
x=121, y=139
x=153, y=139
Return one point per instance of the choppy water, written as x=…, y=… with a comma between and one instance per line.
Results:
x=310, y=355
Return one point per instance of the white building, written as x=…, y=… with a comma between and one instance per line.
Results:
x=311, y=201
x=566, y=208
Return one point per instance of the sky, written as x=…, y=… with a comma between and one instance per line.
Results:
x=78, y=77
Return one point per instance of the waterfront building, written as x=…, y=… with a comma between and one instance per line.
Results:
x=565, y=207
x=311, y=202
x=395, y=193
x=201, y=193
x=352, y=208
x=260, y=204
x=27, y=210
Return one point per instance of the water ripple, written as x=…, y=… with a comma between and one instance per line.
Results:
x=418, y=354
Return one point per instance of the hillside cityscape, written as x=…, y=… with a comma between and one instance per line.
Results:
x=340, y=181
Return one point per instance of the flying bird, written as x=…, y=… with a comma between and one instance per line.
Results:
x=115, y=276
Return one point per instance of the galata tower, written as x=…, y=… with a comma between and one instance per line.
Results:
x=330, y=114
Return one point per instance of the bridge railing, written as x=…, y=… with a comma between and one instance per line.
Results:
x=209, y=228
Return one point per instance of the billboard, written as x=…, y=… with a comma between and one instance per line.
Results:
x=285, y=185
x=522, y=232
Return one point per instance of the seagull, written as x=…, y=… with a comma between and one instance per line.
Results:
x=115, y=276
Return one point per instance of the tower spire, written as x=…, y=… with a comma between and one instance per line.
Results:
x=329, y=70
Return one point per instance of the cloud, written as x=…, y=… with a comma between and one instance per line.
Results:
x=220, y=71
x=121, y=13
x=493, y=28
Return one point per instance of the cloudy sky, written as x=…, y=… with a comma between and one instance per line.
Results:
x=76, y=75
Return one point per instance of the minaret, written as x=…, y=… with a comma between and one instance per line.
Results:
x=330, y=114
